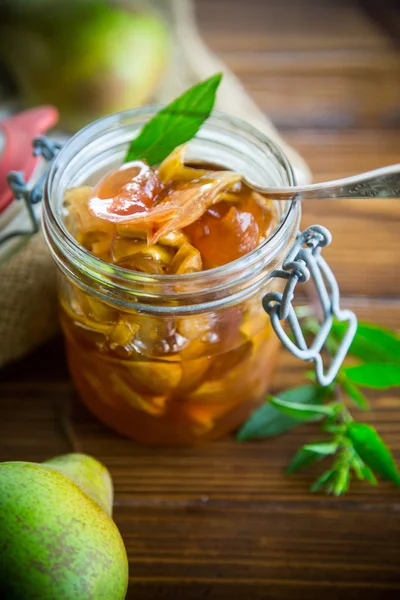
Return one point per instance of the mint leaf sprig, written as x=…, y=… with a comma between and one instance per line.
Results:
x=175, y=124
x=355, y=449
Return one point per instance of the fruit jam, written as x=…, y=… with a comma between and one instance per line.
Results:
x=177, y=379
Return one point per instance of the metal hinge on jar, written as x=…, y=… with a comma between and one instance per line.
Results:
x=31, y=195
x=303, y=262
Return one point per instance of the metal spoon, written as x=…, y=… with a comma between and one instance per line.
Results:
x=380, y=183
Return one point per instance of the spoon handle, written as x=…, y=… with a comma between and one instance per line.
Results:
x=380, y=183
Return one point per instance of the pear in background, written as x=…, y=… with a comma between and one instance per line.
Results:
x=86, y=57
x=57, y=538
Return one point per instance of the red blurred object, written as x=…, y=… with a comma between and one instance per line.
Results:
x=16, y=155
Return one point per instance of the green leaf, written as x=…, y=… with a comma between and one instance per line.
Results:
x=303, y=458
x=373, y=451
x=175, y=124
x=309, y=454
x=369, y=476
x=309, y=324
x=341, y=481
x=353, y=392
x=304, y=412
x=374, y=375
x=312, y=326
x=268, y=421
x=323, y=480
x=333, y=428
x=362, y=471
x=372, y=343
x=323, y=448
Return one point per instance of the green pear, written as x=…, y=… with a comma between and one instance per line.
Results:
x=89, y=474
x=57, y=540
x=86, y=57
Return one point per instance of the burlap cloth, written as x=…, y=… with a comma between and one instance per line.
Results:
x=28, y=304
x=28, y=300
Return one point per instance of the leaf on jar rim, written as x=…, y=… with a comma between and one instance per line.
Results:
x=176, y=123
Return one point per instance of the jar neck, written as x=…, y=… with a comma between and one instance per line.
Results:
x=222, y=140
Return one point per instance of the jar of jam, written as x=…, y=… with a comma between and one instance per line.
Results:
x=168, y=358
x=169, y=343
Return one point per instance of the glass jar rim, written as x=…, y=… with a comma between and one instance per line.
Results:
x=62, y=242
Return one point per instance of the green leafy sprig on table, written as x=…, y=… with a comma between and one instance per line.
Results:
x=175, y=124
x=354, y=449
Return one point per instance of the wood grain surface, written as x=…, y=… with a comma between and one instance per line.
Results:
x=222, y=521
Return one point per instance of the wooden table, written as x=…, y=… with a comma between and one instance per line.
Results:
x=222, y=521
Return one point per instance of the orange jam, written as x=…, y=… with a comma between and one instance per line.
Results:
x=174, y=379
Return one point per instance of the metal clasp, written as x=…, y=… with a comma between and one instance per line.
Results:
x=304, y=261
x=31, y=196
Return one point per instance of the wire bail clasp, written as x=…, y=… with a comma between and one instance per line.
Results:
x=44, y=147
x=303, y=262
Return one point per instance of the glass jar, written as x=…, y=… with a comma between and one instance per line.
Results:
x=169, y=359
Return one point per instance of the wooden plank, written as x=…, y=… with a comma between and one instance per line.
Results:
x=222, y=521
x=340, y=73
x=291, y=26
x=339, y=99
x=333, y=154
